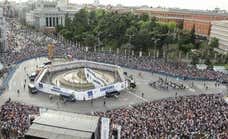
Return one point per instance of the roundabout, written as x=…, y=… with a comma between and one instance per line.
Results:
x=126, y=98
x=81, y=79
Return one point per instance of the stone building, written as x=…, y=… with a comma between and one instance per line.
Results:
x=219, y=30
x=48, y=14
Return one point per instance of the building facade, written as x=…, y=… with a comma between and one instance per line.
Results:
x=3, y=39
x=48, y=14
x=219, y=30
x=201, y=20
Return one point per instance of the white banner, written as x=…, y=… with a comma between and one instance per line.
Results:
x=105, y=128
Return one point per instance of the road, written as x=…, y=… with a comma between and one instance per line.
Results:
x=126, y=98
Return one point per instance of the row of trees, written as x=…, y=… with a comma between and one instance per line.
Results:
x=101, y=28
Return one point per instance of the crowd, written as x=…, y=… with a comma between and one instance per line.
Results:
x=25, y=43
x=181, y=117
x=2, y=72
x=14, y=119
x=174, y=117
x=166, y=84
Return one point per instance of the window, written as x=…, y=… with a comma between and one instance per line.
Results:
x=50, y=22
x=54, y=21
x=57, y=20
x=46, y=21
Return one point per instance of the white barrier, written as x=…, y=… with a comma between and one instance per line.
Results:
x=83, y=95
x=80, y=95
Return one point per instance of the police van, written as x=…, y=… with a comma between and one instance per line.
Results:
x=32, y=76
x=32, y=89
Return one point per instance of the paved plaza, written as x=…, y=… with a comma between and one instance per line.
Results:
x=126, y=98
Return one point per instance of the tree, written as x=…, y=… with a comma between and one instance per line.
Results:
x=208, y=63
x=68, y=22
x=185, y=48
x=59, y=28
x=130, y=33
x=193, y=36
x=214, y=43
x=180, y=25
x=145, y=17
x=195, y=60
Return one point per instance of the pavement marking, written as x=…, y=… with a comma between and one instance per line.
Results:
x=192, y=90
x=137, y=96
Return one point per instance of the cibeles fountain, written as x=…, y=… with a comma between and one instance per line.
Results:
x=78, y=81
x=83, y=79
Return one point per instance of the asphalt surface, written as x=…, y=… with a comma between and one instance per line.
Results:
x=126, y=98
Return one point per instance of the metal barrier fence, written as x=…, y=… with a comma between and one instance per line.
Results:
x=12, y=69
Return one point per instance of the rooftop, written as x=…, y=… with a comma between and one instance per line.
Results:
x=57, y=125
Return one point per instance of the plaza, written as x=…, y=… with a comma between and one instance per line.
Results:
x=125, y=99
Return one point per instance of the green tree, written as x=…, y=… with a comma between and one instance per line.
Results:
x=193, y=35
x=214, y=43
x=180, y=25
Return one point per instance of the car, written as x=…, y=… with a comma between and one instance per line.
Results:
x=132, y=85
x=32, y=76
x=47, y=63
x=112, y=94
x=69, y=98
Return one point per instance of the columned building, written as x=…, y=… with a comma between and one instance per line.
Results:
x=219, y=30
x=48, y=14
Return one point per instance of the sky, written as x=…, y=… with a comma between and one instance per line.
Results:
x=184, y=4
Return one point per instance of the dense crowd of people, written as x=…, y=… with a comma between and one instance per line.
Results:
x=166, y=84
x=26, y=43
x=14, y=119
x=180, y=117
x=174, y=117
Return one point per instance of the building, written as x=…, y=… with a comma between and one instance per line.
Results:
x=219, y=30
x=201, y=20
x=63, y=125
x=3, y=40
x=24, y=7
x=48, y=14
x=8, y=8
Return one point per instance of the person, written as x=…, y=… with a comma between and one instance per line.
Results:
x=9, y=100
x=50, y=97
x=142, y=95
x=140, y=75
x=18, y=92
x=104, y=102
